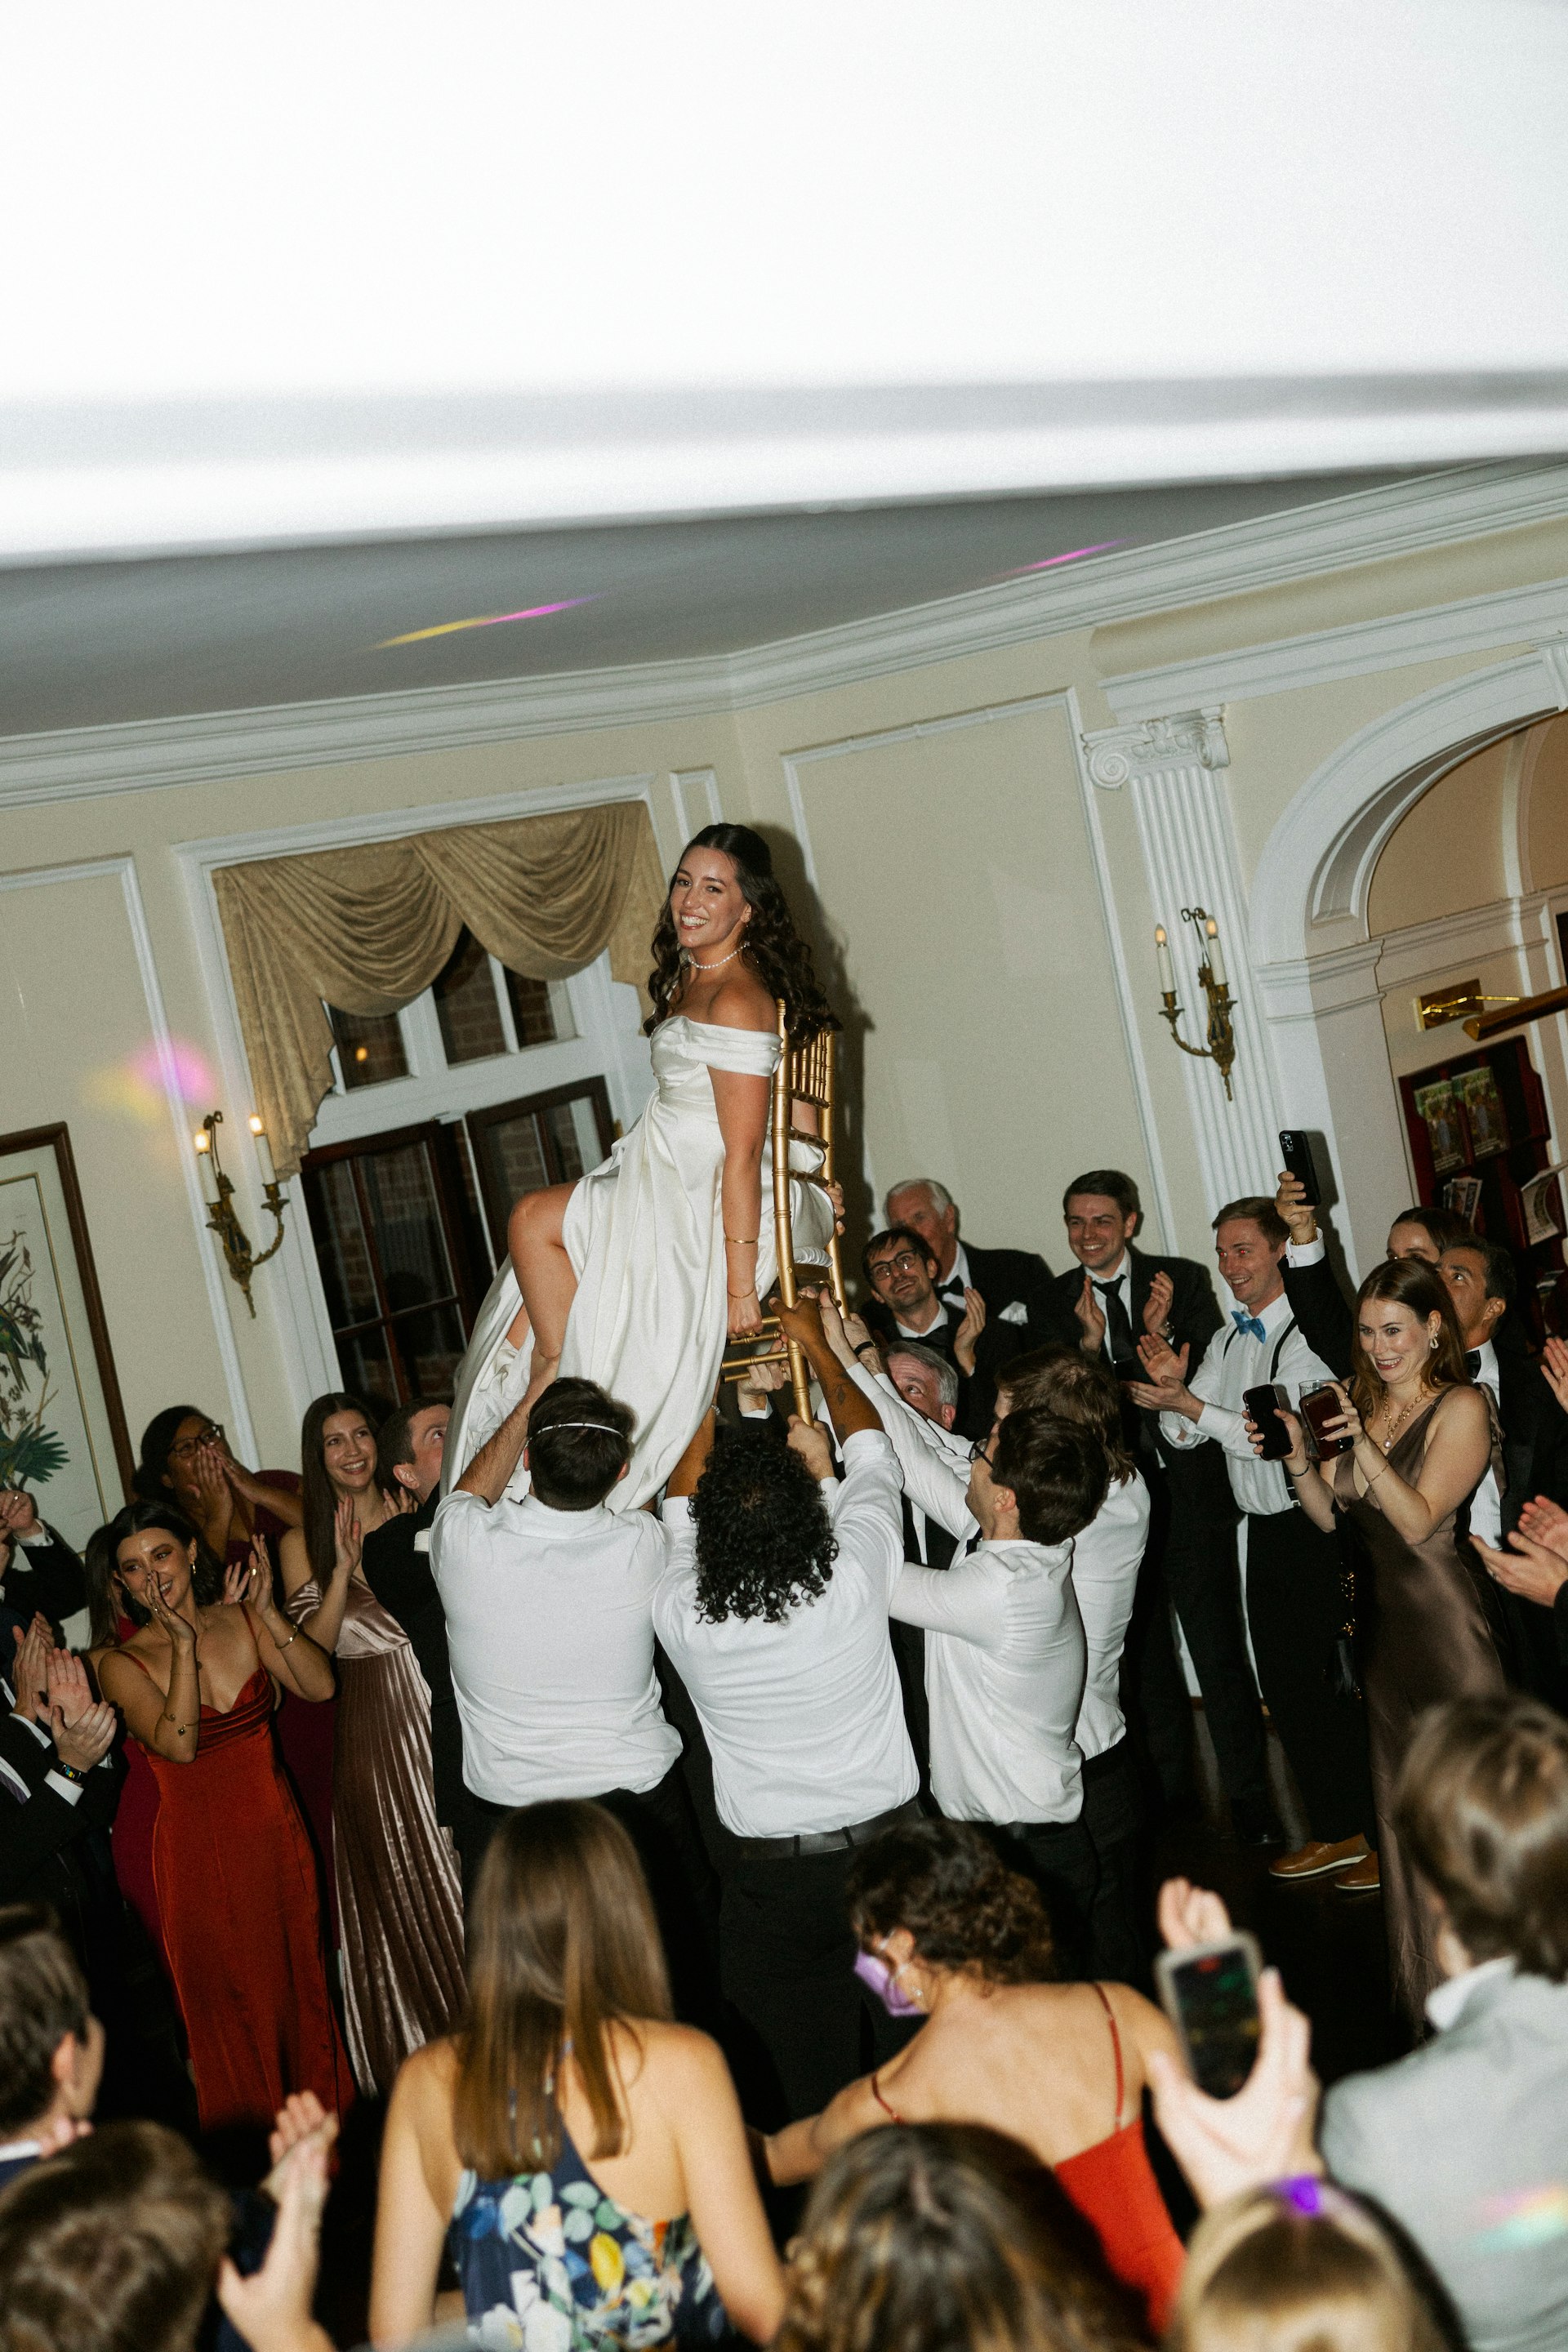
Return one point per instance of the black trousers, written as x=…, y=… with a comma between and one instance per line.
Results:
x=1059, y=1857
x=786, y=1959
x=663, y=1828
x=1295, y=1608
x=1120, y=1922
x=1192, y=1564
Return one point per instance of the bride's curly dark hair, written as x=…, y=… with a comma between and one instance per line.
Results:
x=774, y=949
x=764, y=1541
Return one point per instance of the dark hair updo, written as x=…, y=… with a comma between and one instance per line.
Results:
x=947, y=1884
x=105, y=1604
x=774, y=949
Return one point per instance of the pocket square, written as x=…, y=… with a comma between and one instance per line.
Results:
x=1015, y=1312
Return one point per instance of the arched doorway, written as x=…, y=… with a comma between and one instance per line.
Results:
x=1318, y=958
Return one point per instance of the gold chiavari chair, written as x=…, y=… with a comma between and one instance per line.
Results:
x=805, y=1075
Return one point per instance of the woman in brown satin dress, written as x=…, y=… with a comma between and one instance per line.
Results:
x=1423, y=1439
x=400, y=1903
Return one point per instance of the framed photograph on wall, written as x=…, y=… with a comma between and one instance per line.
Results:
x=1484, y=1113
x=1435, y=1105
x=62, y=1426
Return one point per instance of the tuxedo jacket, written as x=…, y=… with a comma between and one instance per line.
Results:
x=45, y=1842
x=400, y=1578
x=1199, y=1473
x=1324, y=1316
x=1008, y=1279
x=1535, y=1462
x=44, y=1576
x=998, y=1343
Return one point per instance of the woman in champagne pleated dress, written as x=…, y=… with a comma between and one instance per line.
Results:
x=400, y=1906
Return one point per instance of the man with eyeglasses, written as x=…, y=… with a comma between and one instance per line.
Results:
x=901, y=1272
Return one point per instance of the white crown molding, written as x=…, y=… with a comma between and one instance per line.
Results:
x=1362, y=527
x=1509, y=616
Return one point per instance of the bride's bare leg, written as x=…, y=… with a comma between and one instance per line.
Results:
x=544, y=1276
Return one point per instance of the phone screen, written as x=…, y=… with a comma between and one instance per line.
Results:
x=1213, y=1996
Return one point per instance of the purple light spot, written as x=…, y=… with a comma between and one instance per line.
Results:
x=1048, y=563
x=1305, y=2193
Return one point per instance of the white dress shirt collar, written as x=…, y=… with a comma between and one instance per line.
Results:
x=1486, y=1369
x=1273, y=1317
x=938, y=1323
x=958, y=1272
x=1447, y=2003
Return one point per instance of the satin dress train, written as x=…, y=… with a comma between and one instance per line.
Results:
x=240, y=1913
x=646, y=1237
x=1426, y=1613
x=400, y=1898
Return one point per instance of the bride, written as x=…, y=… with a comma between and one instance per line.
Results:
x=634, y=1275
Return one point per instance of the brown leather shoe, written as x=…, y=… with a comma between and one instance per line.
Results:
x=1363, y=1879
x=1311, y=1860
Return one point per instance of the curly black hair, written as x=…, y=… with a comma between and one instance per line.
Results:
x=947, y=1884
x=764, y=1542
x=774, y=949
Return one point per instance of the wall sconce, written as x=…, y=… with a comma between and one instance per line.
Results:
x=238, y=1256
x=1221, y=1047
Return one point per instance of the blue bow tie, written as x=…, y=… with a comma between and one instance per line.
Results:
x=1245, y=1322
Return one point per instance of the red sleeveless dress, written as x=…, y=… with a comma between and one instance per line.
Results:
x=241, y=1920
x=1112, y=2185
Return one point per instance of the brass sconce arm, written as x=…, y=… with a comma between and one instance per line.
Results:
x=1221, y=1047
x=238, y=1256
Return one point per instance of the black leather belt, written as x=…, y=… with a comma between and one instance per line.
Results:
x=782, y=1849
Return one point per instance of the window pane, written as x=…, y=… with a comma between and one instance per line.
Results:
x=406, y=1218
x=431, y=1345
x=466, y=1004
x=365, y=1364
x=531, y=1010
x=370, y=1046
x=574, y=1132
x=340, y=1250
x=515, y=1155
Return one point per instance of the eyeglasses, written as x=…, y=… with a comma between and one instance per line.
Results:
x=977, y=1450
x=213, y=1434
x=900, y=1265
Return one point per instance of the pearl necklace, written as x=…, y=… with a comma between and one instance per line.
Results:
x=691, y=959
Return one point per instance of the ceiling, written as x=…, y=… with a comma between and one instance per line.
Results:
x=92, y=644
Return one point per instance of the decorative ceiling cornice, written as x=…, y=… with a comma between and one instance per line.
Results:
x=1366, y=527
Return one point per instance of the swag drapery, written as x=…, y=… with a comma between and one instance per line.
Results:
x=369, y=928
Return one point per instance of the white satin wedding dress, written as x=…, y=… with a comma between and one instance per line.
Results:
x=645, y=1234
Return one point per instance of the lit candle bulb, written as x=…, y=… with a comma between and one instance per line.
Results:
x=1163, y=957
x=263, y=1150
x=204, y=1143
x=1211, y=952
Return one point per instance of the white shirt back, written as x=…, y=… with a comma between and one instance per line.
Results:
x=1005, y=1666
x=549, y=1626
x=803, y=1718
x=1105, y=1558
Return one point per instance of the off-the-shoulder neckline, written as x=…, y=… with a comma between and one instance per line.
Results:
x=719, y=1028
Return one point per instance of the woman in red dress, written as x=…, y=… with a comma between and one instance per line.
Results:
x=233, y=1870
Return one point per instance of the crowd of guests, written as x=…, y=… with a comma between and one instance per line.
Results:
x=652, y=1864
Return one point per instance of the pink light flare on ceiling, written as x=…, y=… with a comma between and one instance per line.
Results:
x=484, y=621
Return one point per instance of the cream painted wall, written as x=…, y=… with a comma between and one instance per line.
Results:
x=1447, y=853
x=1547, y=838
x=957, y=893
x=77, y=1043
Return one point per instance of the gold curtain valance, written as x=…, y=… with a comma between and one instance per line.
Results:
x=368, y=930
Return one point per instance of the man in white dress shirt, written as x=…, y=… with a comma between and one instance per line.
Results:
x=1006, y=1658
x=549, y=1605
x=1294, y=1602
x=774, y=1611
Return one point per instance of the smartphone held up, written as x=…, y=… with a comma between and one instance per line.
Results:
x=1210, y=1995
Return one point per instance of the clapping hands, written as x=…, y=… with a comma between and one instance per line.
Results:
x=1536, y=1564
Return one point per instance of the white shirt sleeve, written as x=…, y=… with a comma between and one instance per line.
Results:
x=1305, y=1253
x=867, y=1520
x=460, y=1517
x=1182, y=1433
x=930, y=1463
x=69, y=1789
x=969, y=1598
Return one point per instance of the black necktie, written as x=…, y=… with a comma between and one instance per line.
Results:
x=1118, y=1329
x=1473, y=1363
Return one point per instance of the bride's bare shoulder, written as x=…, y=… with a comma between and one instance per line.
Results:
x=742, y=1002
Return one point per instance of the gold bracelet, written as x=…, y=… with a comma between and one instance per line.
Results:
x=740, y=1294
x=740, y=1244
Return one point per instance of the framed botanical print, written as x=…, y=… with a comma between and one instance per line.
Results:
x=62, y=1426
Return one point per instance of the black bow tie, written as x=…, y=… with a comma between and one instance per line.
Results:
x=1473, y=1361
x=952, y=1288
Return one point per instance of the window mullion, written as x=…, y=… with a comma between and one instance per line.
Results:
x=503, y=1003
x=421, y=1028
